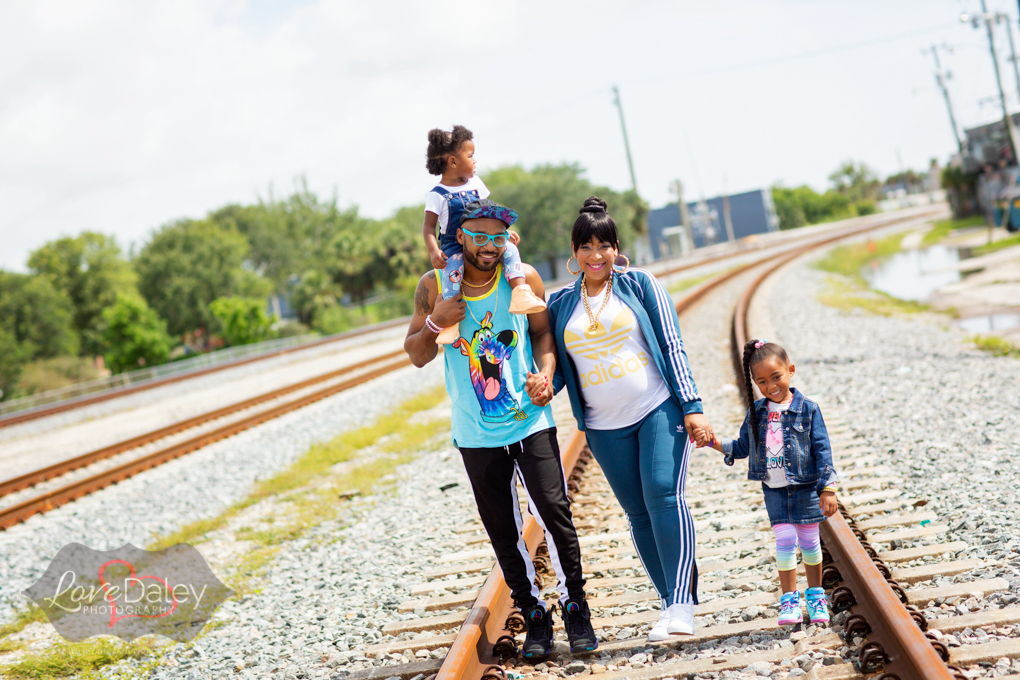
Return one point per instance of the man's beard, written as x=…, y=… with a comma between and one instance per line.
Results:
x=472, y=258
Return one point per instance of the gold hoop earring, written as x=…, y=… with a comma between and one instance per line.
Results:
x=626, y=267
x=571, y=270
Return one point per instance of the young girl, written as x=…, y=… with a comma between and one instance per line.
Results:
x=452, y=155
x=785, y=438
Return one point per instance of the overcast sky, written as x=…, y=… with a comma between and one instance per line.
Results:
x=121, y=116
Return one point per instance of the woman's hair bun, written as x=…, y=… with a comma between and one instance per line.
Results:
x=593, y=204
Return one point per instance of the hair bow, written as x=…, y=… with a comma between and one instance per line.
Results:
x=759, y=343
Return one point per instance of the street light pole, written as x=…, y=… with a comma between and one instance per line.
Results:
x=1012, y=49
x=626, y=143
x=945, y=95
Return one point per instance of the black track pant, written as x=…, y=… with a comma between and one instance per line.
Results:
x=494, y=473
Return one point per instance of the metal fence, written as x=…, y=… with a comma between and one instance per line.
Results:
x=196, y=363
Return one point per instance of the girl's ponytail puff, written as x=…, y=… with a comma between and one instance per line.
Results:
x=749, y=387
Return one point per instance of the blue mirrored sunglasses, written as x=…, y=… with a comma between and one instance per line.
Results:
x=498, y=240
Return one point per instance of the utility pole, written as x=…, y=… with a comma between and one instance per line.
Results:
x=726, y=212
x=685, y=218
x=945, y=93
x=626, y=144
x=1007, y=119
x=1012, y=49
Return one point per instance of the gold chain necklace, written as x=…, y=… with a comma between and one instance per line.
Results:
x=593, y=319
x=482, y=285
x=468, y=304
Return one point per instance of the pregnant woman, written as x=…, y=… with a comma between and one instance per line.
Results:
x=622, y=361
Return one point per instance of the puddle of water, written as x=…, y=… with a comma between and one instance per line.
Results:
x=911, y=275
x=991, y=322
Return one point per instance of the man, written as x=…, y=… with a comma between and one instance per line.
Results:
x=501, y=420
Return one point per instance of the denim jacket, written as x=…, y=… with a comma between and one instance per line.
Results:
x=805, y=442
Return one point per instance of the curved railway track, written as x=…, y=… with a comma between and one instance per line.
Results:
x=22, y=508
x=884, y=557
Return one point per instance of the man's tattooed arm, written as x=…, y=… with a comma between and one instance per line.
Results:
x=421, y=296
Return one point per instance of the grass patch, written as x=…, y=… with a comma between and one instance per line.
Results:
x=66, y=659
x=848, y=260
x=33, y=614
x=944, y=227
x=998, y=346
x=394, y=438
x=847, y=295
x=689, y=282
x=998, y=245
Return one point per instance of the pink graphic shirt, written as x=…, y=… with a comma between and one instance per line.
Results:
x=775, y=461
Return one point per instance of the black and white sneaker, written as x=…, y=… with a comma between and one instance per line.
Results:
x=577, y=621
x=539, y=622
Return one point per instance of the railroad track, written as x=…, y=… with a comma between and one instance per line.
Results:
x=116, y=392
x=127, y=458
x=127, y=465
x=885, y=557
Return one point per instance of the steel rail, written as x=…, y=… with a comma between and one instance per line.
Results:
x=116, y=392
x=472, y=653
x=34, y=477
x=55, y=498
x=898, y=645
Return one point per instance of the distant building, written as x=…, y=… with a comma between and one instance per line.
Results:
x=751, y=212
x=987, y=146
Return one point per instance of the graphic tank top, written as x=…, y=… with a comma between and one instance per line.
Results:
x=485, y=374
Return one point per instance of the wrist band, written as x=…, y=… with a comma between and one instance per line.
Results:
x=432, y=325
x=829, y=488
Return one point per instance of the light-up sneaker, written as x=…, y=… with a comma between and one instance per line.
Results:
x=817, y=605
x=789, y=609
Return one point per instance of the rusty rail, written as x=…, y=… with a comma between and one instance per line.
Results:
x=34, y=477
x=65, y=494
x=473, y=653
x=897, y=645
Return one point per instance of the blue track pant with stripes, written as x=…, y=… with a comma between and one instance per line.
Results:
x=646, y=465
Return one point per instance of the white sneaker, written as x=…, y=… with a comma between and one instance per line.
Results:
x=681, y=619
x=658, y=631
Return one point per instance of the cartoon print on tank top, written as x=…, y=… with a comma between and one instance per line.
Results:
x=486, y=354
x=774, y=441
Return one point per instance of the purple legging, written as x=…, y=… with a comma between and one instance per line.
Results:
x=787, y=538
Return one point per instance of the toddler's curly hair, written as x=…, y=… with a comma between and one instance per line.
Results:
x=443, y=144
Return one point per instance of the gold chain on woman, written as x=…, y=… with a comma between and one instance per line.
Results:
x=593, y=319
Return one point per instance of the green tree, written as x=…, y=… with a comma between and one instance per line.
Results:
x=291, y=235
x=379, y=254
x=547, y=199
x=135, y=335
x=242, y=320
x=38, y=316
x=13, y=357
x=91, y=270
x=856, y=181
x=188, y=264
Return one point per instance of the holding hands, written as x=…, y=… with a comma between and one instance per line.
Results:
x=539, y=388
x=699, y=429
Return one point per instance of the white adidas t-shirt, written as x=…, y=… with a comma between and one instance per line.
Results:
x=439, y=204
x=775, y=460
x=616, y=372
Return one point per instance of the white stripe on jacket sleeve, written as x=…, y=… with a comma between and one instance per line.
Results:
x=671, y=334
